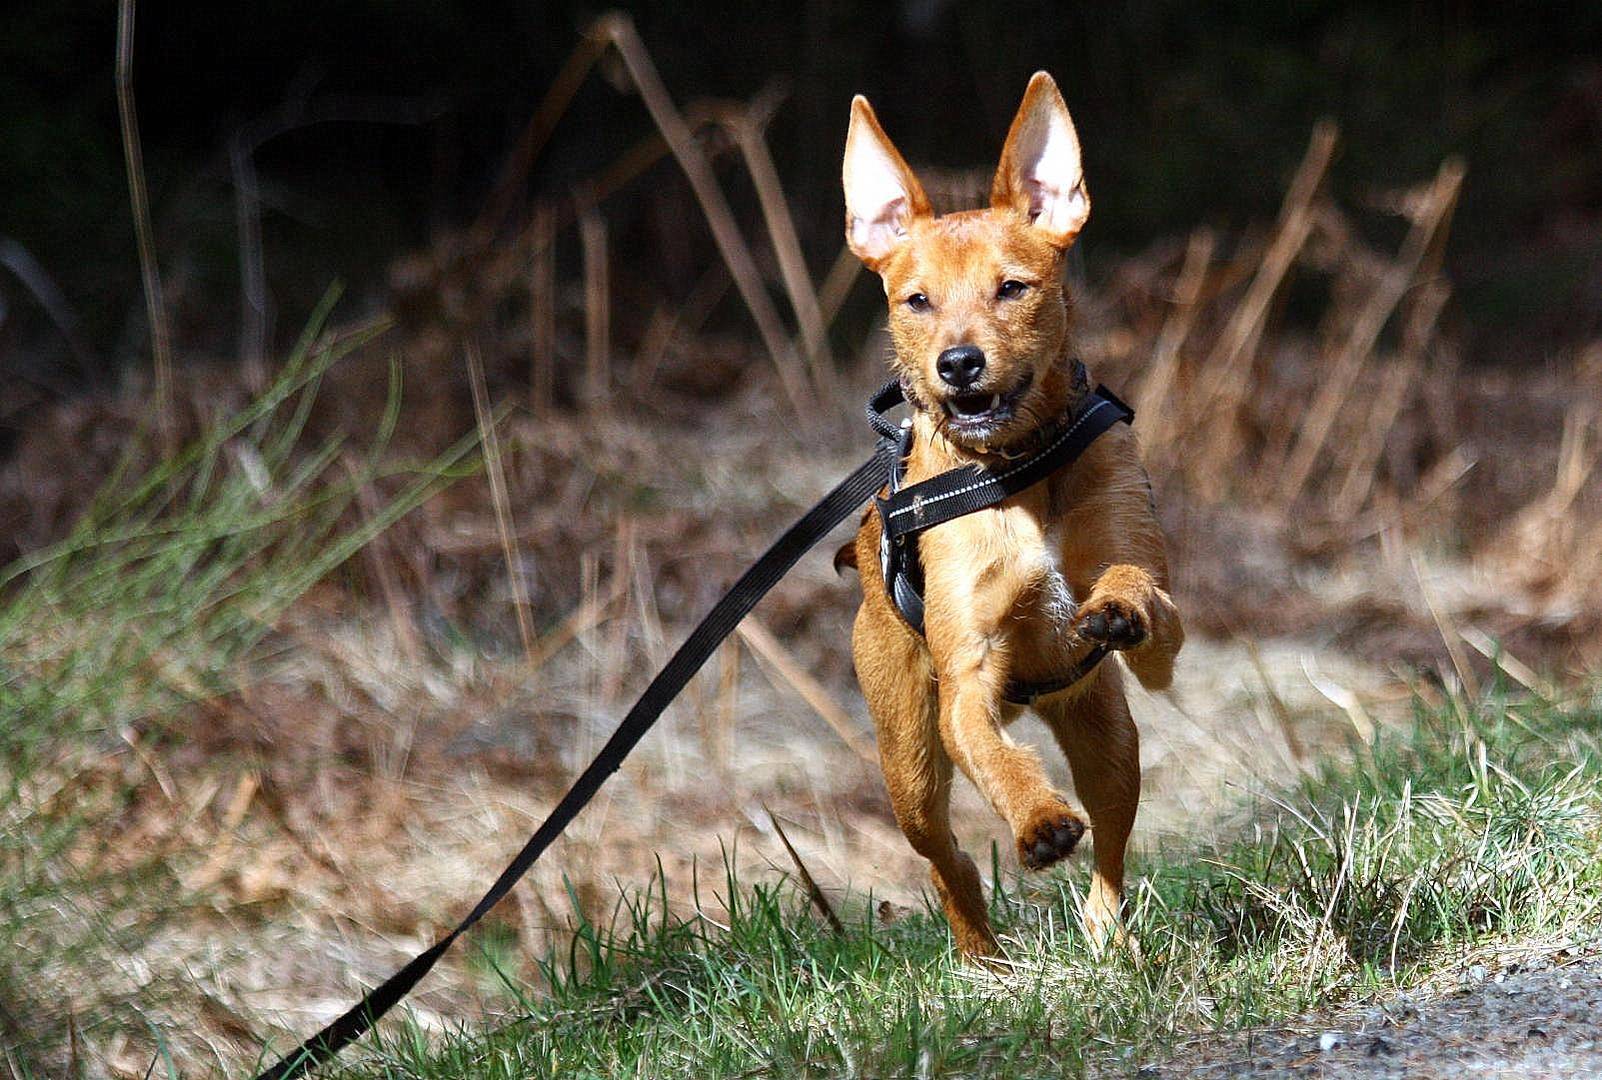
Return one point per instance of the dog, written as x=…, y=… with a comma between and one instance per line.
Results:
x=980, y=323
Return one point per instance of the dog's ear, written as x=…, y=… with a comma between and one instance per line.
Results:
x=1040, y=175
x=881, y=194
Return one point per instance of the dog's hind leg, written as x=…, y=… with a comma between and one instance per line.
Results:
x=897, y=682
x=1097, y=735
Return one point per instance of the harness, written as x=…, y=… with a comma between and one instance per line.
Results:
x=907, y=511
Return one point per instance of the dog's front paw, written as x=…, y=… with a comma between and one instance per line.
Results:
x=1112, y=623
x=1051, y=836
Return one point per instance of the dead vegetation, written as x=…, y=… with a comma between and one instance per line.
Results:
x=1331, y=475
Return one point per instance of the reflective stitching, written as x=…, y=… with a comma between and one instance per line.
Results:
x=921, y=502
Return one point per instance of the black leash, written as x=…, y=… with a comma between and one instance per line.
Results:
x=864, y=482
x=755, y=583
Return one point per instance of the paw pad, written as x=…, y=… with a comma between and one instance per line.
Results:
x=1114, y=625
x=1050, y=840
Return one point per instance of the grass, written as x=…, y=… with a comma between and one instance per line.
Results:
x=1479, y=824
x=167, y=593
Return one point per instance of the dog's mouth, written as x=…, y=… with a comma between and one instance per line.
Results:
x=976, y=416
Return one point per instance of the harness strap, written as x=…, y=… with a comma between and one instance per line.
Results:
x=906, y=512
x=1025, y=691
x=953, y=494
x=719, y=623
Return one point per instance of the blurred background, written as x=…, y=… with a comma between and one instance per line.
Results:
x=316, y=602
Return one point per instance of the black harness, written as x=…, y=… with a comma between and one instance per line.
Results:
x=907, y=511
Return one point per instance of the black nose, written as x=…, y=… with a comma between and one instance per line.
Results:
x=960, y=367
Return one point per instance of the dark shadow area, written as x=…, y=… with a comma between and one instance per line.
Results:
x=371, y=126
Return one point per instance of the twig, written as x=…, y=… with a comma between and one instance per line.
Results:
x=766, y=646
x=687, y=318
x=717, y=723
x=819, y=901
x=581, y=619
x=650, y=615
x=1359, y=481
x=617, y=28
x=1520, y=672
x=37, y=280
x=535, y=133
x=617, y=662
x=597, y=306
x=378, y=557
x=1439, y=479
x=1152, y=405
x=747, y=125
x=653, y=148
x=257, y=303
x=1229, y=363
x=294, y=113
x=139, y=196
x=1450, y=637
x=542, y=310
x=503, y=509
x=1281, y=711
x=1341, y=697
x=1576, y=462
x=837, y=284
x=1433, y=216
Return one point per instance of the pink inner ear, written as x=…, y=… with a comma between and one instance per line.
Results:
x=1038, y=194
x=878, y=234
x=1054, y=208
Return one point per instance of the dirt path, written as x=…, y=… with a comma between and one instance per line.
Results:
x=1539, y=1016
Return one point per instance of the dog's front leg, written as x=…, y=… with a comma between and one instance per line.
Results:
x=1115, y=558
x=966, y=626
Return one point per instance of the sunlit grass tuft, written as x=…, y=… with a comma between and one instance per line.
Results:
x=166, y=593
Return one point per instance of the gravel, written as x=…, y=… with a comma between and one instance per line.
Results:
x=1536, y=1018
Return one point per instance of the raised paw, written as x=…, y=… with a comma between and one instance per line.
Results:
x=1051, y=836
x=1112, y=623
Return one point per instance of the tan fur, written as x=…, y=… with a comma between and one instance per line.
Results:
x=1021, y=589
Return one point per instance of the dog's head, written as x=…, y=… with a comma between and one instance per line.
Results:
x=977, y=310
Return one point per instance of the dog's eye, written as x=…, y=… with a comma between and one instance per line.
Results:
x=1011, y=290
x=918, y=302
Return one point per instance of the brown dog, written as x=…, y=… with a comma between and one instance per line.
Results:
x=980, y=323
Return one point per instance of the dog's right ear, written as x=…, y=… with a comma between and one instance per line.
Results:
x=881, y=194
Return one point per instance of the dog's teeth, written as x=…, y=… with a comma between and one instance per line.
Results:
x=995, y=402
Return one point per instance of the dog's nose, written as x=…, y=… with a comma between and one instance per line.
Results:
x=961, y=366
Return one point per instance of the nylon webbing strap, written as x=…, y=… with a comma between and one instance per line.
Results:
x=962, y=491
x=719, y=623
x=1025, y=691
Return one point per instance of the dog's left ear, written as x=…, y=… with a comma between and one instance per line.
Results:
x=1040, y=174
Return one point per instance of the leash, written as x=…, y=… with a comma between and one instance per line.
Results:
x=863, y=483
